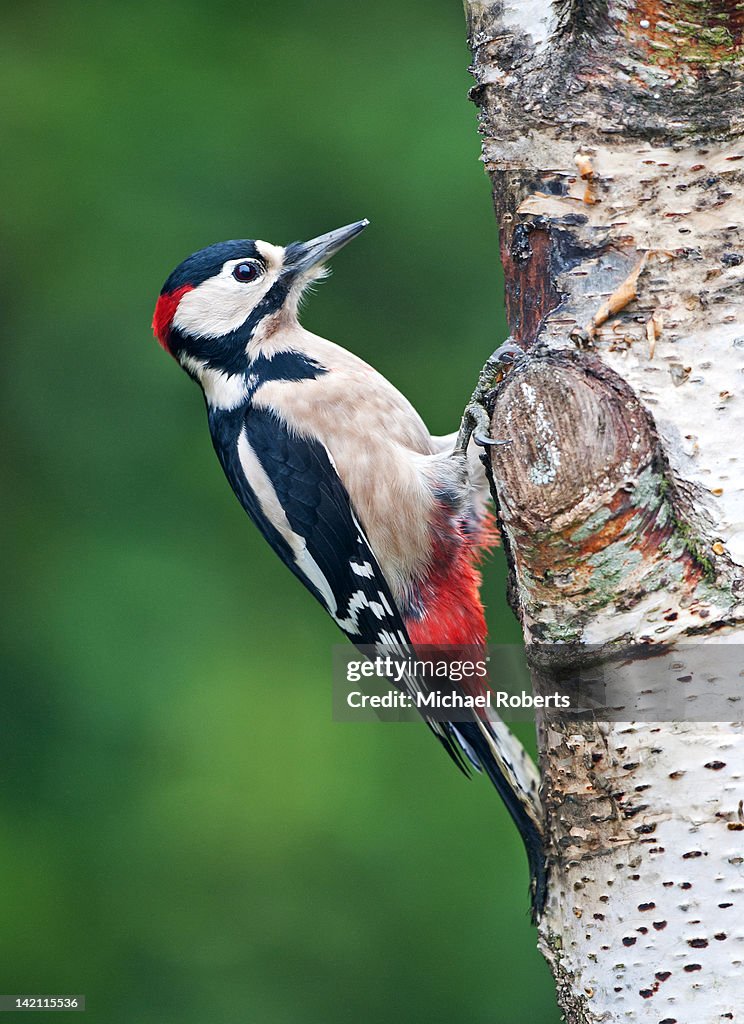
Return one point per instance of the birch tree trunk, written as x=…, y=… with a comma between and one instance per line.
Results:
x=613, y=139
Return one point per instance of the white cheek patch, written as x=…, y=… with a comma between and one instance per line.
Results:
x=221, y=305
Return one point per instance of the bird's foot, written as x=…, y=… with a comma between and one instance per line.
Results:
x=476, y=423
x=476, y=420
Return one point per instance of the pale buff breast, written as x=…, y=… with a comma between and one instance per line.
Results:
x=380, y=446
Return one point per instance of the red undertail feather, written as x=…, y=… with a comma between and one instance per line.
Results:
x=453, y=611
x=453, y=620
x=487, y=537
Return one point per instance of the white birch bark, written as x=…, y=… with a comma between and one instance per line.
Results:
x=613, y=136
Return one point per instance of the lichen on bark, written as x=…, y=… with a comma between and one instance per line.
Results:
x=589, y=506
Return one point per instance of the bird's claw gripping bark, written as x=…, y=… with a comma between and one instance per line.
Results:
x=476, y=422
x=483, y=442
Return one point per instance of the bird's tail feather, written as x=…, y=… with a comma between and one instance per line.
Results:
x=515, y=787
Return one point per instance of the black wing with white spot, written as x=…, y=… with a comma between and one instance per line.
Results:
x=306, y=503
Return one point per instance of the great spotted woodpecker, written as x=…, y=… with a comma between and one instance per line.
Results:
x=380, y=520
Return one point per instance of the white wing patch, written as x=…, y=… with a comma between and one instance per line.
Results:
x=221, y=304
x=272, y=508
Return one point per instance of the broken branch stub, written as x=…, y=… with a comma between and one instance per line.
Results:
x=589, y=514
x=576, y=429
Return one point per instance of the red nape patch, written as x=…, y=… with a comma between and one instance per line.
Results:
x=165, y=310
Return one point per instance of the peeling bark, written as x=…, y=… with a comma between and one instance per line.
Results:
x=614, y=140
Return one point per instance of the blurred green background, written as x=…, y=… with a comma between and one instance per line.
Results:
x=187, y=836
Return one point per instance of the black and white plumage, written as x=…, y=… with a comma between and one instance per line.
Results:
x=291, y=490
x=377, y=518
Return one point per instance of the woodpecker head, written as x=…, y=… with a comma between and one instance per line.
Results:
x=222, y=297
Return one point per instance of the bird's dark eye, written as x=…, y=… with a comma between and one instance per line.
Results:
x=245, y=272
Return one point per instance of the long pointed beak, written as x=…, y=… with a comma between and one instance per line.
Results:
x=301, y=256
